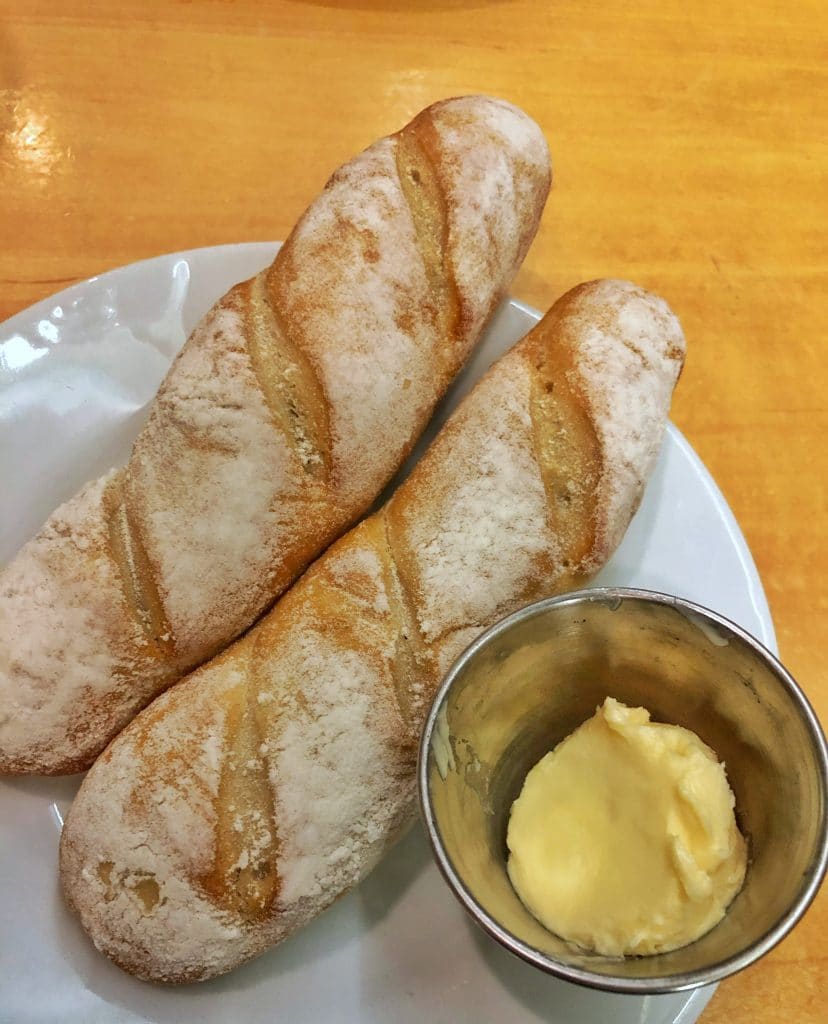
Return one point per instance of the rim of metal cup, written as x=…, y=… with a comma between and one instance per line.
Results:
x=609, y=983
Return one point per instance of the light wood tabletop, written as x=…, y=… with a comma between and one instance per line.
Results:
x=689, y=143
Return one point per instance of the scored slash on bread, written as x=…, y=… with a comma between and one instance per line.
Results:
x=255, y=792
x=285, y=414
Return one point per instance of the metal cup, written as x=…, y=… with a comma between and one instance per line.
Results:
x=535, y=676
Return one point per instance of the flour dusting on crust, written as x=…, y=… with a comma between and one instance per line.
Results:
x=332, y=770
x=474, y=538
x=62, y=610
x=505, y=169
x=211, y=447
x=627, y=365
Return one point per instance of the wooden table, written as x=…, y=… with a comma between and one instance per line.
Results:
x=690, y=153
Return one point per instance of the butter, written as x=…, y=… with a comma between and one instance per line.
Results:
x=623, y=839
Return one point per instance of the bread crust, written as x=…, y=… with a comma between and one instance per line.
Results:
x=289, y=408
x=247, y=798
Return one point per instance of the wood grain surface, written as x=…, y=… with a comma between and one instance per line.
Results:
x=689, y=143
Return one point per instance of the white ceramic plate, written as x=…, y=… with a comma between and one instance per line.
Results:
x=76, y=374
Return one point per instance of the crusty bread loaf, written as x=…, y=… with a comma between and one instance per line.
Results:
x=252, y=794
x=289, y=408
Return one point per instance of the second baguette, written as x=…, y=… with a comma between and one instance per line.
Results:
x=247, y=798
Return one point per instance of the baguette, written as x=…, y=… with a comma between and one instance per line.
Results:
x=289, y=408
x=247, y=798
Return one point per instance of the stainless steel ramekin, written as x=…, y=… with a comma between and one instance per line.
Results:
x=532, y=678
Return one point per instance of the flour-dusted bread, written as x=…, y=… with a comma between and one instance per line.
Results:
x=248, y=797
x=289, y=408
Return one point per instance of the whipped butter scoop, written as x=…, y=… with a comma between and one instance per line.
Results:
x=624, y=839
